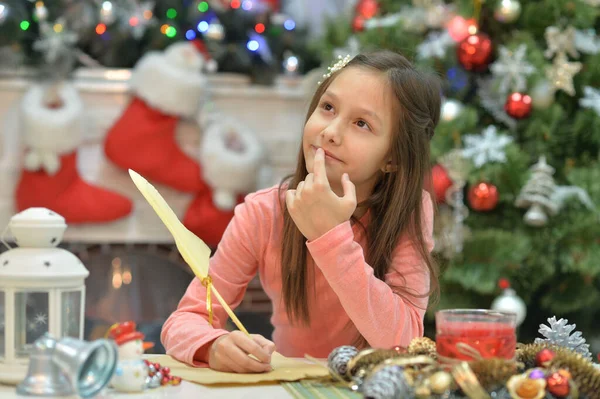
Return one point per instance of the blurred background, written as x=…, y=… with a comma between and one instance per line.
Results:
x=90, y=88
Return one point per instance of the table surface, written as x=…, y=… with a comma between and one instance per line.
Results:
x=186, y=390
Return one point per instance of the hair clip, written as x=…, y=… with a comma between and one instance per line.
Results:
x=341, y=62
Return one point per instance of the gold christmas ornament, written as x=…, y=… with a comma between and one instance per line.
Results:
x=522, y=387
x=507, y=11
x=561, y=73
x=542, y=95
x=440, y=382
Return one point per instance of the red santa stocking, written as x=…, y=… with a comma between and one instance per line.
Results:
x=51, y=130
x=166, y=87
x=231, y=157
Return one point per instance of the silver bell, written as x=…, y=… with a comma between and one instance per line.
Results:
x=69, y=366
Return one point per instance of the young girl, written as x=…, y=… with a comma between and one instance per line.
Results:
x=343, y=247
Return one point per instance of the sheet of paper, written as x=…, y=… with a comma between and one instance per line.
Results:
x=284, y=369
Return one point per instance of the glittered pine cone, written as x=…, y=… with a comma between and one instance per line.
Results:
x=493, y=373
x=423, y=346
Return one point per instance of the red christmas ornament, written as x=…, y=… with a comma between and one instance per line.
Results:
x=558, y=385
x=441, y=182
x=483, y=197
x=459, y=28
x=474, y=52
x=358, y=23
x=503, y=284
x=399, y=349
x=544, y=357
x=166, y=371
x=367, y=8
x=518, y=105
x=164, y=381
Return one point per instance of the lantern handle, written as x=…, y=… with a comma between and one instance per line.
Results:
x=2, y=237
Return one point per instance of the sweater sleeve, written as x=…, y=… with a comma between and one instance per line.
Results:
x=383, y=317
x=233, y=265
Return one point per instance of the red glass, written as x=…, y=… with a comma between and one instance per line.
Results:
x=491, y=333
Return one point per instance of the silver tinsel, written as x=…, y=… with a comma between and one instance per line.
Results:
x=387, y=383
x=338, y=359
x=559, y=333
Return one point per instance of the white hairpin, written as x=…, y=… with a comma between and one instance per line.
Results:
x=341, y=62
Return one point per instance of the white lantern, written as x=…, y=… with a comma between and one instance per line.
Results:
x=41, y=290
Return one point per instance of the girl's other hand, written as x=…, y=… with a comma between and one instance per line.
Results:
x=231, y=353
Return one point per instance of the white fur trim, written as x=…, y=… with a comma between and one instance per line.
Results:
x=50, y=132
x=36, y=160
x=171, y=81
x=228, y=171
x=224, y=199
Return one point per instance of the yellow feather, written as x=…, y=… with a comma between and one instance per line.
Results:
x=193, y=250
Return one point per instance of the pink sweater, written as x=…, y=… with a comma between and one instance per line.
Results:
x=348, y=298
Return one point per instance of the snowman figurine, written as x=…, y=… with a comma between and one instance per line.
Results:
x=131, y=372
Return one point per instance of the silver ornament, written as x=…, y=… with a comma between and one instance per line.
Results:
x=40, y=12
x=451, y=109
x=508, y=11
x=542, y=95
x=387, y=383
x=338, y=359
x=107, y=13
x=151, y=369
x=510, y=302
x=154, y=381
x=4, y=11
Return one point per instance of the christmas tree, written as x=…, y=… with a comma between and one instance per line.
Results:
x=251, y=37
x=521, y=83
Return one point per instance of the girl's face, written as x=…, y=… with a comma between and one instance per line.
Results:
x=353, y=123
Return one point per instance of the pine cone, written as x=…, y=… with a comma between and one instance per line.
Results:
x=422, y=346
x=387, y=382
x=493, y=373
x=560, y=333
x=585, y=375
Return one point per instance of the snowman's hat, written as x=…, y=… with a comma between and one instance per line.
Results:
x=125, y=332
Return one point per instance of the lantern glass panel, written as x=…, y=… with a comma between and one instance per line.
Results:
x=71, y=314
x=31, y=320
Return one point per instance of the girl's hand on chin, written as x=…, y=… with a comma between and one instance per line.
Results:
x=313, y=205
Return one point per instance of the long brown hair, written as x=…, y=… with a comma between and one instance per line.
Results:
x=395, y=204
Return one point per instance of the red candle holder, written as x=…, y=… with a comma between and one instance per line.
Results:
x=469, y=334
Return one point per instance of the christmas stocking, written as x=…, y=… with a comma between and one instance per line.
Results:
x=51, y=129
x=231, y=157
x=166, y=87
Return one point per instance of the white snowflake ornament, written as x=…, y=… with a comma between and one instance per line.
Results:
x=512, y=68
x=486, y=147
x=560, y=42
x=591, y=99
x=435, y=46
x=56, y=41
x=587, y=41
x=139, y=17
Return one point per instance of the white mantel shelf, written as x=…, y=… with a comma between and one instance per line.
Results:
x=275, y=113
